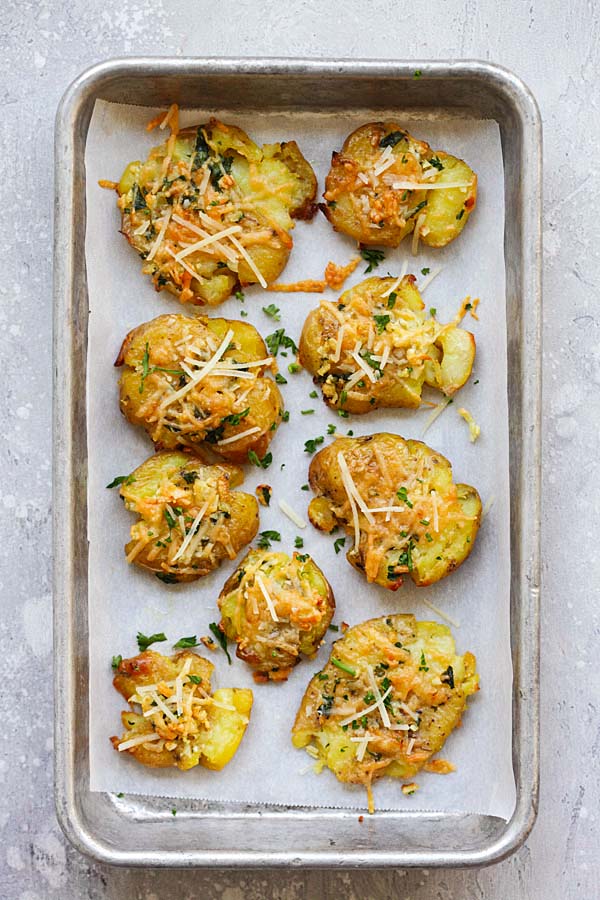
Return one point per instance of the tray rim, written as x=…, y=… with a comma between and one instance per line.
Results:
x=87, y=86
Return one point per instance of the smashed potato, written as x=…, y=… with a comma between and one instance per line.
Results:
x=275, y=609
x=376, y=347
x=210, y=210
x=180, y=723
x=235, y=408
x=386, y=184
x=398, y=499
x=392, y=692
x=189, y=518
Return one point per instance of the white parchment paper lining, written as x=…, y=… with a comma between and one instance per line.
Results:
x=124, y=599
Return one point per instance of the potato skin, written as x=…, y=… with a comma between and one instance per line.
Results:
x=173, y=488
x=443, y=358
x=215, y=172
x=376, y=213
x=418, y=663
x=415, y=483
x=303, y=601
x=153, y=355
x=210, y=737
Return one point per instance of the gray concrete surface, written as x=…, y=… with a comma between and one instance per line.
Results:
x=555, y=47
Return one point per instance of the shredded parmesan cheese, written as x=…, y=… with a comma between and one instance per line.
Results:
x=442, y=615
x=188, y=538
x=380, y=704
x=136, y=741
x=242, y=250
x=239, y=436
x=437, y=411
x=160, y=235
x=202, y=373
x=367, y=710
x=429, y=278
x=351, y=489
x=198, y=245
x=287, y=510
x=474, y=428
x=267, y=596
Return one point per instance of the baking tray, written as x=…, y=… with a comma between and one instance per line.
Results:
x=141, y=831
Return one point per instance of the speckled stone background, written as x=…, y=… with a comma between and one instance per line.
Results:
x=555, y=47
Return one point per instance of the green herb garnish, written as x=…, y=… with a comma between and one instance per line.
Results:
x=272, y=311
x=265, y=538
x=121, y=479
x=337, y=545
x=311, y=445
x=344, y=666
x=372, y=256
x=186, y=642
x=221, y=639
x=116, y=661
x=144, y=642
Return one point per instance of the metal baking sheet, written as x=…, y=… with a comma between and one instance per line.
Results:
x=140, y=831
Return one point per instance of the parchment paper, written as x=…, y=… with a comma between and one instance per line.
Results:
x=124, y=599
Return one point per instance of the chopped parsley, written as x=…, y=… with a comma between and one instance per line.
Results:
x=166, y=577
x=432, y=312
x=337, y=545
x=313, y=395
x=381, y=322
x=372, y=256
x=278, y=340
x=448, y=677
x=460, y=215
x=417, y=73
x=280, y=379
x=298, y=542
x=436, y=162
x=425, y=271
x=423, y=667
x=391, y=300
x=239, y=295
x=293, y=368
x=331, y=429
x=144, y=642
x=393, y=138
x=263, y=463
x=187, y=642
x=195, y=679
x=304, y=487
x=303, y=557
x=312, y=443
x=189, y=477
x=116, y=661
x=121, y=479
x=235, y=418
x=221, y=639
x=272, y=311
x=265, y=538
x=285, y=416
x=343, y=666
x=403, y=496
x=306, y=412
x=147, y=369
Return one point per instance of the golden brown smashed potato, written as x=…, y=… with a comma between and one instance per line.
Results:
x=376, y=346
x=210, y=210
x=398, y=499
x=180, y=722
x=386, y=184
x=234, y=408
x=392, y=692
x=189, y=518
x=275, y=609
